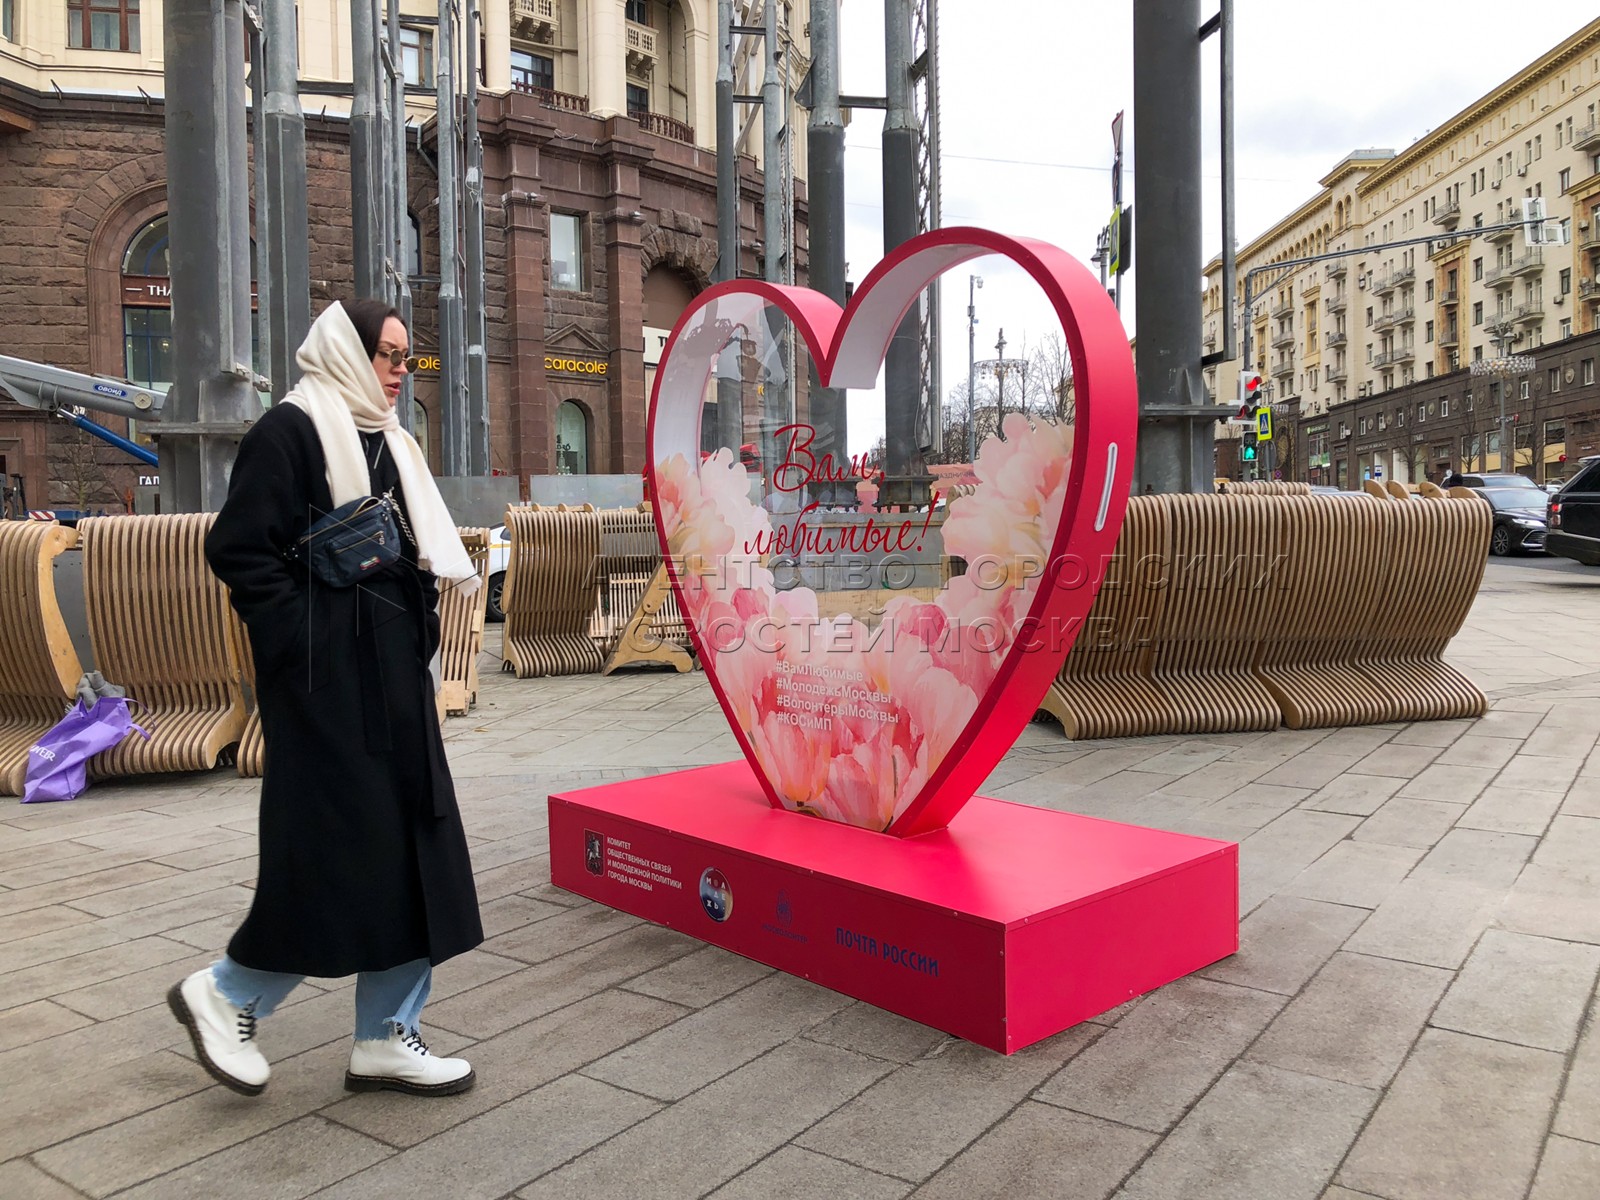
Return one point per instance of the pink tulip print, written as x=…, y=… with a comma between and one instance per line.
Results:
x=850, y=720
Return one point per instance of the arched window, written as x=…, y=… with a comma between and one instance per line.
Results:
x=572, y=439
x=147, y=307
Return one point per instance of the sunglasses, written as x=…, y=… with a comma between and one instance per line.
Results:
x=398, y=358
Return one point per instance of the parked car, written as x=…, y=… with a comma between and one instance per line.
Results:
x=499, y=560
x=1575, y=516
x=1520, y=518
x=1499, y=481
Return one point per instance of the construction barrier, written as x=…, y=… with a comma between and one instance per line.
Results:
x=1242, y=612
x=159, y=621
x=39, y=669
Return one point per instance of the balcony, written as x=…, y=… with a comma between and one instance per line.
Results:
x=1400, y=316
x=1337, y=269
x=1284, y=309
x=1528, y=262
x=1498, y=277
x=665, y=126
x=1400, y=354
x=1336, y=303
x=1447, y=215
x=551, y=98
x=1385, y=284
x=1336, y=374
x=1587, y=138
x=1449, y=296
x=537, y=20
x=1282, y=364
x=1283, y=337
x=1337, y=338
x=1590, y=240
x=1450, y=337
x=1588, y=289
x=1504, y=235
x=641, y=45
x=1530, y=313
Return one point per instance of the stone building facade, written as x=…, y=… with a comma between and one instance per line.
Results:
x=600, y=219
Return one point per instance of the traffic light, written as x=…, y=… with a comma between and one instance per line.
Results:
x=1248, y=451
x=1250, y=388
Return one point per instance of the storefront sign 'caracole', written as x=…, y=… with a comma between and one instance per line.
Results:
x=575, y=366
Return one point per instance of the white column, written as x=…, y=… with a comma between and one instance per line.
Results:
x=497, y=52
x=607, y=61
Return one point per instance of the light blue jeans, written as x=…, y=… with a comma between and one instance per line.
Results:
x=384, y=999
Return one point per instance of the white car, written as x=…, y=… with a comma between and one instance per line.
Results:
x=495, y=570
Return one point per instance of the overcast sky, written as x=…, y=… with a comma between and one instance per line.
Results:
x=1027, y=104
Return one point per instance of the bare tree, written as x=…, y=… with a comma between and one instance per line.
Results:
x=82, y=481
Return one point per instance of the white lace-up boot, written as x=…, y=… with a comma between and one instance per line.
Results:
x=224, y=1034
x=401, y=1063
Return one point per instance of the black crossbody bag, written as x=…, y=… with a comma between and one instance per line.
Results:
x=354, y=542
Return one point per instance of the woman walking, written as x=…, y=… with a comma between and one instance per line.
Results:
x=364, y=865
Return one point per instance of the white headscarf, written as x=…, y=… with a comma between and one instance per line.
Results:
x=339, y=391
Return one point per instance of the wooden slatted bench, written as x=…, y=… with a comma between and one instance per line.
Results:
x=159, y=622
x=39, y=669
x=551, y=591
x=461, y=620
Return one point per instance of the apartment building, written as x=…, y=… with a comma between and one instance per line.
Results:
x=1439, y=264
x=598, y=123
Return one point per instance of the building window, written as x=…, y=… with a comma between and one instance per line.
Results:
x=1422, y=413
x=1566, y=327
x=413, y=235
x=532, y=72
x=1565, y=279
x=8, y=20
x=1427, y=332
x=638, y=100
x=1564, y=178
x=638, y=11
x=416, y=56
x=1477, y=269
x=566, y=252
x=103, y=24
x=1444, y=408
x=1552, y=380
x=1587, y=373
x=572, y=440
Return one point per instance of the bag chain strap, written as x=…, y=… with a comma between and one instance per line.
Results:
x=400, y=515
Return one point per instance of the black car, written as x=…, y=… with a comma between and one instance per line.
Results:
x=1575, y=516
x=1520, y=519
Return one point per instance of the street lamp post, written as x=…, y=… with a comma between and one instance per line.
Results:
x=973, y=283
x=1504, y=368
x=1000, y=368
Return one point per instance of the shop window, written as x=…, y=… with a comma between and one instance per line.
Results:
x=572, y=440
x=103, y=24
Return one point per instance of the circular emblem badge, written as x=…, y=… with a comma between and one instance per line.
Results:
x=716, y=897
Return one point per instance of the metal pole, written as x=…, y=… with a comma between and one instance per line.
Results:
x=255, y=31
x=1229, y=266
x=1000, y=376
x=772, y=134
x=287, y=264
x=730, y=392
x=1175, y=451
x=399, y=235
x=452, y=389
x=364, y=221
x=476, y=324
x=212, y=399
x=904, y=482
x=825, y=146
x=973, y=283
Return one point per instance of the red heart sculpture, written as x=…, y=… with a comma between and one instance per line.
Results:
x=892, y=726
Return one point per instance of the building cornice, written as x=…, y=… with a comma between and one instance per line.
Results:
x=1580, y=43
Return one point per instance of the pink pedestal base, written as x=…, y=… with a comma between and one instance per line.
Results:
x=1008, y=926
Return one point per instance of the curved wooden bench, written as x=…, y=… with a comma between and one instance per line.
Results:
x=1104, y=688
x=159, y=622
x=550, y=591
x=39, y=669
x=1266, y=487
x=461, y=620
x=1439, y=552
x=1333, y=584
x=251, y=756
x=1227, y=555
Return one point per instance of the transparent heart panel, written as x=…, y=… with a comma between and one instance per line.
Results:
x=853, y=595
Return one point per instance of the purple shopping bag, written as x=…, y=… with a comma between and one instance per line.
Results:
x=58, y=762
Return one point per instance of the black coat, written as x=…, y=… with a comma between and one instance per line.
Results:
x=364, y=862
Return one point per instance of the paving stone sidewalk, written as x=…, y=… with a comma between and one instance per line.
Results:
x=1412, y=1014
